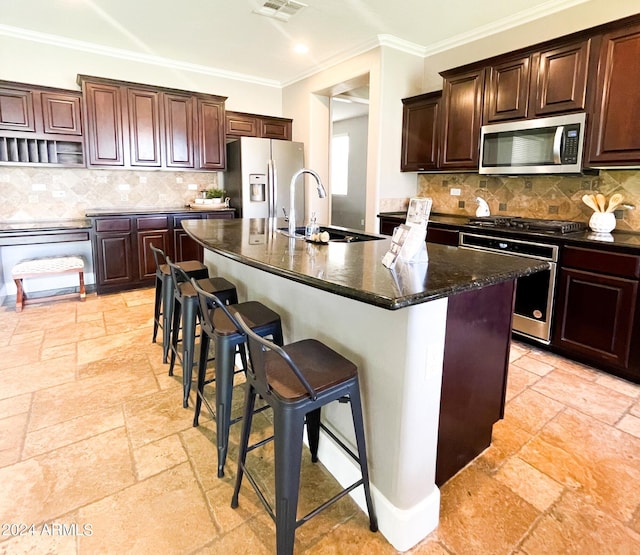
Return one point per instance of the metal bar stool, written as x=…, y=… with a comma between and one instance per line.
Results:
x=220, y=323
x=163, y=306
x=185, y=305
x=296, y=381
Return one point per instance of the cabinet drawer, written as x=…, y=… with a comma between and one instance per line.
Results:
x=113, y=224
x=177, y=220
x=153, y=222
x=613, y=263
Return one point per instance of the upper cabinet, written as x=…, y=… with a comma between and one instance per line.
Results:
x=507, y=90
x=420, y=132
x=40, y=125
x=559, y=81
x=133, y=125
x=551, y=80
x=240, y=124
x=462, y=97
x=615, y=122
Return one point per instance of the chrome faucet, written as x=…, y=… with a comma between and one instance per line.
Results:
x=322, y=193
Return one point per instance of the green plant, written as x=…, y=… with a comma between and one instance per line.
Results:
x=215, y=193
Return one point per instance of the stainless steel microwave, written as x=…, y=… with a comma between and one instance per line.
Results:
x=534, y=146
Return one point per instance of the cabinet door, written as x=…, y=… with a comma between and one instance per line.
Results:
x=103, y=108
x=420, y=132
x=275, y=128
x=184, y=247
x=462, y=115
x=61, y=113
x=178, y=132
x=507, y=90
x=241, y=125
x=113, y=255
x=144, y=127
x=595, y=316
x=16, y=110
x=615, y=127
x=211, y=143
x=561, y=84
x=151, y=230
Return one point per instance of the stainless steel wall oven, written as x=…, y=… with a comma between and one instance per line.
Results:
x=534, y=294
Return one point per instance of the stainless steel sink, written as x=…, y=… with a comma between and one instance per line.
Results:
x=336, y=234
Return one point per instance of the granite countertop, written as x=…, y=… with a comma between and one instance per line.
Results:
x=619, y=240
x=99, y=212
x=355, y=270
x=44, y=226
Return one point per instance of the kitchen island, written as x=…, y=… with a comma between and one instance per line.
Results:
x=431, y=341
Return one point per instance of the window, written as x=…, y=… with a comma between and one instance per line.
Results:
x=340, y=164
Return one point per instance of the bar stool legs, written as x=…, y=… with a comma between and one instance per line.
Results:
x=296, y=381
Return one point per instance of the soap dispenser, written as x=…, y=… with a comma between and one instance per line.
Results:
x=312, y=230
x=483, y=208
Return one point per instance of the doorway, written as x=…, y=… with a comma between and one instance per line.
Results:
x=349, y=112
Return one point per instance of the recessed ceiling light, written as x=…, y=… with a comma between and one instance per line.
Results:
x=301, y=48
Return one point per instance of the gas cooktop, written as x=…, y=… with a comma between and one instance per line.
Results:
x=530, y=224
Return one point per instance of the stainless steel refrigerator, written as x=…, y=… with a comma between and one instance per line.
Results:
x=258, y=177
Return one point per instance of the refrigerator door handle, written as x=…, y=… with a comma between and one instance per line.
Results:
x=274, y=189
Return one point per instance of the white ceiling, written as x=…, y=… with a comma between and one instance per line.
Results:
x=225, y=37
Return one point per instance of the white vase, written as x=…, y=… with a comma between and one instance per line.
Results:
x=602, y=222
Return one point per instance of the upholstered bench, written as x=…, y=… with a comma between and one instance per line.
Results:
x=40, y=267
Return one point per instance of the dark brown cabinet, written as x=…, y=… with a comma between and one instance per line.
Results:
x=240, y=124
x=596, y=316
x=122, y=257
x=112, y=240
x=462, y=97
x=178, y=130
x=436, y=233
x=103, y=109
x=133, y=125
x=420, y=132
x=559, y=81
x=151, y=230
x=40, y=125
x=144, y=127
x=615, y=124
x=211, y=138
x=507, y=90
x=551, y=80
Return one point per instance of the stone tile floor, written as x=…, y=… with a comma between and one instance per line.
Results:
x=93, y=434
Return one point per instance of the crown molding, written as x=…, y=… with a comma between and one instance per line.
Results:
x=91, y=48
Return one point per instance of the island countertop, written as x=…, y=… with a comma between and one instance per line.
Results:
x=355, y=270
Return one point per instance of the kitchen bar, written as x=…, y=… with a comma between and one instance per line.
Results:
x=415, y=334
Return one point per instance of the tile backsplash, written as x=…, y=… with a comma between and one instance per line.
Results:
x=41, y=194
x=549, y=197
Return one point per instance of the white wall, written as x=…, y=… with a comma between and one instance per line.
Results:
x=582, y=15
x=310, y=110
x=348, y=210
x=55, y=66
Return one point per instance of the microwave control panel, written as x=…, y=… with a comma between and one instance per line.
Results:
x=570, y=144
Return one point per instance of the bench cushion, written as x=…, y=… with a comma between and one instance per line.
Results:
x=50, y=265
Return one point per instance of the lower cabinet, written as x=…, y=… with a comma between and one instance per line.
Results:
x=121, y=252
x=435, y=233
x=597, y=308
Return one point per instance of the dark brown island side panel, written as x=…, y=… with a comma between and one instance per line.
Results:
x=474, y=377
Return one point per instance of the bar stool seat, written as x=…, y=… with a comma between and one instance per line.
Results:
x=296, y=381
x=220, y=323
x=186, y=307
x=163, y=306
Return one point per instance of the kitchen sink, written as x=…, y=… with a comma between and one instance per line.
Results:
x=336, y=234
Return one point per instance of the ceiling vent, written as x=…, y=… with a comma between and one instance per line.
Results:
x=280, y=9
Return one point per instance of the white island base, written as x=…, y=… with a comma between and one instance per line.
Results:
x=399, y=354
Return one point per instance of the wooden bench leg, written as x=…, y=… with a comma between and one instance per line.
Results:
x=19, y=295
x=83, y=293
